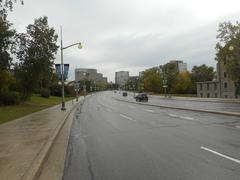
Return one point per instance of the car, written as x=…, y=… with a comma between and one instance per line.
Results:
x=124, y=94
x=135, y=95
x=142, y=97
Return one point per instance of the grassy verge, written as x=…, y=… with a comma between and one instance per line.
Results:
x=36, y=103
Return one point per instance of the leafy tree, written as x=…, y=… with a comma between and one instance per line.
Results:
x=6, y=5
x=169, y=72
x=6, y=44
x=183, y=83
x=202, y=73
x=228, y=49
x=152, y=80
x=36, y=52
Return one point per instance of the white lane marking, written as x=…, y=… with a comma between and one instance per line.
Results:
x=126, y=117
x=148, y=110
x=220, y=154
x=187, y=118
x=133, y=107
x=173, y=115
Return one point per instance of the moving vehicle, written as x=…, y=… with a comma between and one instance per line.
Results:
x=124, y=94
x=142, y=97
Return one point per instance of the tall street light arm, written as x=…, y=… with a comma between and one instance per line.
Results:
x=62, y=69
x=79, y=46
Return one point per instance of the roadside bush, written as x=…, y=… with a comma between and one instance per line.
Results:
x=45, y=93
x=9, y=98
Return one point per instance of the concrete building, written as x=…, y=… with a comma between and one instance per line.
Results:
x=89, y=74
x=181, y=66
x=121, y=77
x=222, y=87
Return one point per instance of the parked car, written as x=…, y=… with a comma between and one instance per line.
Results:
x=124, y=94
x=142, y=97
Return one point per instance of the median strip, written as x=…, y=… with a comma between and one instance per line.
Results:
x=182, y=108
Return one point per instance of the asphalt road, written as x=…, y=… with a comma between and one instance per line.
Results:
x=113, y=140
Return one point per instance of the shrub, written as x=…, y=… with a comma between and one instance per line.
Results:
x=45, y=93
x=9, y=98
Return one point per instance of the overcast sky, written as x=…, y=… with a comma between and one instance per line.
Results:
x=132, y=35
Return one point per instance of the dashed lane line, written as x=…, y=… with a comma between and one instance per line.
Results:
x=126, y=117
x=221, y=155
x=148, y=110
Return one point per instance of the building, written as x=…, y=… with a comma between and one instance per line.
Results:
x=89, y=74
x=181, y=66
x=121, y=77
x=222, y=87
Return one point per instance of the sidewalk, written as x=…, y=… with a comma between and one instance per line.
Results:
x=22, y=141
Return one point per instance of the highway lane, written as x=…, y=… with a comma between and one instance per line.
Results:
x=117, y=140
x=219, y=106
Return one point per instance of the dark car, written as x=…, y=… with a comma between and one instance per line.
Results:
x=142, y=97
x=124, y=94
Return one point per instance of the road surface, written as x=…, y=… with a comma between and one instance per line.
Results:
x=113, y=140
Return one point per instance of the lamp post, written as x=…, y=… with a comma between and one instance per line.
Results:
x=62, y=68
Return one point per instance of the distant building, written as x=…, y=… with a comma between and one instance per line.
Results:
x=89, y=74
x=222, y=87
x=181, y=66
x=121, y=77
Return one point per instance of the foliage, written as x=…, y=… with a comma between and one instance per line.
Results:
x=9, y=98
x=6, y=5
x=183, y=83
x=170, y=72
x=45, y=93
x=36, y=52
x=152, y=80
x=202, y=73
x=6, y=43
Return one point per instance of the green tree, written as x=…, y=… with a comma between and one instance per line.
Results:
x=36, y=52
x=202, y=73
x=229, y=36
x=183, y=83
x=169, y=72
x=6, y=5
x=152, y=80
x=6, y=44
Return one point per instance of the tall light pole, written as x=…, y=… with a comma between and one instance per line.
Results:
x=62, y=66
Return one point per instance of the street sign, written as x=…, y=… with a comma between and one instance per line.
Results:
x=165, y=86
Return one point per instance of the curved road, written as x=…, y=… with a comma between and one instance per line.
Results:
x=112, y=140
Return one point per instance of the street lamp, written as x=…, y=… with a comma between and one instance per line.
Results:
x=62, y=69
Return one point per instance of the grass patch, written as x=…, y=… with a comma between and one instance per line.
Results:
x=36, y=103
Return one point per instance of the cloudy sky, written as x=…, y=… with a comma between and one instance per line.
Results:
x=132, y=34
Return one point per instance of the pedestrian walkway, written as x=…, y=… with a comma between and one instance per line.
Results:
x=22, y=140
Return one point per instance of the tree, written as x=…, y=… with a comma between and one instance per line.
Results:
x=169, y=72
x=36, y=52
x=183, y=83
x=229, y=36
x=202, y=73
x=6, y=5
x=6, y=43
x=152, y=80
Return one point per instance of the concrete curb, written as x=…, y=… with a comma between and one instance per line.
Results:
x=36, y=166
x=197, y=100
x=181, y=108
